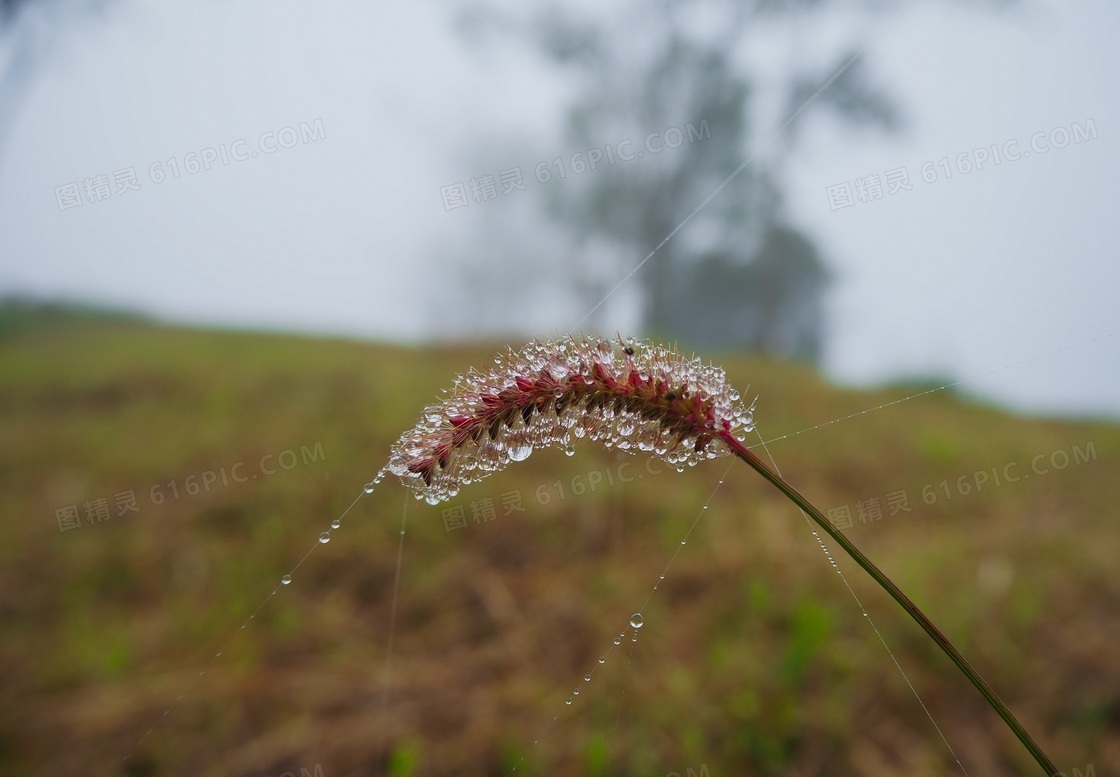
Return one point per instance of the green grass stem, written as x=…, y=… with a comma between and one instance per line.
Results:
x=742, y=452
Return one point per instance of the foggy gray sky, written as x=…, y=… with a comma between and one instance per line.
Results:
x=346, y=230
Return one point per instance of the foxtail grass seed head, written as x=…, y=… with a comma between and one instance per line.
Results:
x=632, y=395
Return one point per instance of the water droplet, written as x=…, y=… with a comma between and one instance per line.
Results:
x=637, y=621
x=602, y=659
x=575, y=691
x=286, y=580
x=705, y=507
x=568, y=701
x=336, y=523
x=325, y=537
x=369, y=487
x=587, y=678
x=569, y=451
x=432, y=499
x=618, y=640
x=519, y=452
x=684, y=542
x=635, y=637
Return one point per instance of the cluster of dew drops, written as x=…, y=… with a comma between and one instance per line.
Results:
x=627, y=431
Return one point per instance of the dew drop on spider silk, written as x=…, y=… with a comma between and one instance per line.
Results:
x=519, y=452
x=569, y=451
x=618, y=640
x=325, y=537
x=602, y=659
x=369, y=487
x=286, y=580
x=575, y=692
x=336, y=523
x=432, y=499
x=568, y=701
x=587, y=678
x=684, y=542
x=637, y=621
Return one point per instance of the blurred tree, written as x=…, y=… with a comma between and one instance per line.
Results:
x=740, y=273
x=28, y=30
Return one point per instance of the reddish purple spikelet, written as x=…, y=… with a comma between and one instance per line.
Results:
x=617, y=392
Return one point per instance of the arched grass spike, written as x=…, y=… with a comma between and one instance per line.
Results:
x=633, y=396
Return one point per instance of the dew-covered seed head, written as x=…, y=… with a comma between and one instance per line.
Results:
x=630, y=395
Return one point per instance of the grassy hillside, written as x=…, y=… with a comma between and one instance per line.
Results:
x=201, y=466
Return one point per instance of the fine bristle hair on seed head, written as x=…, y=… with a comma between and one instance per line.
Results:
x=632, y=395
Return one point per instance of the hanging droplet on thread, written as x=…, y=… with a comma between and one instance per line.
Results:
x=325, y=537
x=636, y=620
x=336, y=523
x=286, y=580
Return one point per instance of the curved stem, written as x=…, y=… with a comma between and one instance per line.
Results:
x=742, y=452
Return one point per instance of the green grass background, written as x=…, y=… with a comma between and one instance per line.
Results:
x=754, y=658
